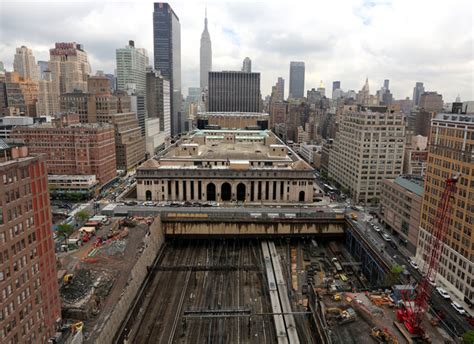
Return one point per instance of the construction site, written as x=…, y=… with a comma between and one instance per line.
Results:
x=264, y=291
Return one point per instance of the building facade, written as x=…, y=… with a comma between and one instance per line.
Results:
x=69, y=66
x=418, y=90
x=25, y=65
x=167, y=58
x=431, y=102
x=297, y=71
x=400, y=206
x=8, y=123
x=230, y=120
x=234, y=92
x=227, y=166
x=48, y=97
x=72, y=148
x=158, y=100
x=131, y=68
x=451, y=151
x=368, y=147
x=205, y=57
x=30, y=301
x=22, y=95
x=247, y=65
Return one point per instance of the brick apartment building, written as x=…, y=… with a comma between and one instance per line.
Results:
x=73, y=148
x=29, y=294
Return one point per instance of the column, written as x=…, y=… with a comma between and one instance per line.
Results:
x=278, y=190
x=180, y=189
x=264, y=190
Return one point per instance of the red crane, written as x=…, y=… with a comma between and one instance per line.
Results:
x=416, y=305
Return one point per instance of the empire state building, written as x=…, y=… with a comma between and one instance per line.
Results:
x=205, y=56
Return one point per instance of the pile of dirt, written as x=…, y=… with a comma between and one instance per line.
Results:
x=80, y=286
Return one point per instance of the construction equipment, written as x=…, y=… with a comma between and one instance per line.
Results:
x=413, y=308
x=68, y=278
x=383, y=336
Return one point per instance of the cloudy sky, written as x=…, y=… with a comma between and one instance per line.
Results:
x=402, y=40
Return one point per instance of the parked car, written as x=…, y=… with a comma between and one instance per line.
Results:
x=377, y=229
x=443, y=293
x=386, y=237
x=393, y=245
x=458, y=308
x=432, y=282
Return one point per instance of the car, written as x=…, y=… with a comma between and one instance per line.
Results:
x=413, y=264
x=377, y=229
x=432, y=282
x=458, y=308
x=443, y=293
x=386, y=237
x=130, y=203
x=391, y=243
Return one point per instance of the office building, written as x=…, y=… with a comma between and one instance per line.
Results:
x=249, y=166
x=416, y=155
x=31, y=308
x=368, y=147
x=22, y=95
x=418, y=90
x=450, y=151
x=25, y=65
x=247, y=65
x=280, y=87
x=3, y=95
x=400, y=205
x=297, y=70
x=42, y=67
x=72, y=148
x=112, y=82
x=8, y=123
x=234, y=92
x=231, y=120
x=159, y=100
x=336, y=85
x=48, y=98
x=154, y=138
x=431, y=102
x=131, y=68
x=69, y=66
x=129, y=141
x=205, y=56
x=139, y=106
x=167, y=58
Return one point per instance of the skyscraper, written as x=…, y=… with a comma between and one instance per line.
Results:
x=336, y=85
x=158, y=100
x=30, y=300
x=417, y=92
x=386, y=84
x=450, y=151
x=280, y=85
x=234, y=92
x=24, y=63
x=69, y=67
x=247, y=65
x=296, y=79
x=205, y=56
x=131, y=68
x=167, y=56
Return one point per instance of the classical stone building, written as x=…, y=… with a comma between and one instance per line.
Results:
x=248, y=166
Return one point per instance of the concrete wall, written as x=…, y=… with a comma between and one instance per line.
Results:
x=251, y=229
x=153, y=243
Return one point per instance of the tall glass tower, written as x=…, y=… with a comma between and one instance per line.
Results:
x=167, y=58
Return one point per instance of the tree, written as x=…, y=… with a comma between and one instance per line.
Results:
x=468, y=337
x=65, y=230
x=82, y=216
x=394, y=274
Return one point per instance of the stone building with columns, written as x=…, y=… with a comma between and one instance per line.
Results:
x=245, y=166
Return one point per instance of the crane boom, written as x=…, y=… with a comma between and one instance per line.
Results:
x=414, y=308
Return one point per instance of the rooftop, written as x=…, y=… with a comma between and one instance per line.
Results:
x=454, y=117
x=412, y=183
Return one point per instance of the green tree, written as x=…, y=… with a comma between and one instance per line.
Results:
x=65, y=230
x=468, y=337
x=394, y=274
x=82, y=216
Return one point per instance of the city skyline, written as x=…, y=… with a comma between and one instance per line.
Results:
x=351, y=41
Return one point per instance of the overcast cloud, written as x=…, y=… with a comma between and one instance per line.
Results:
x=405, y=41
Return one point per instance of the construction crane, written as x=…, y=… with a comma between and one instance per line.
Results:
x=414, y=306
